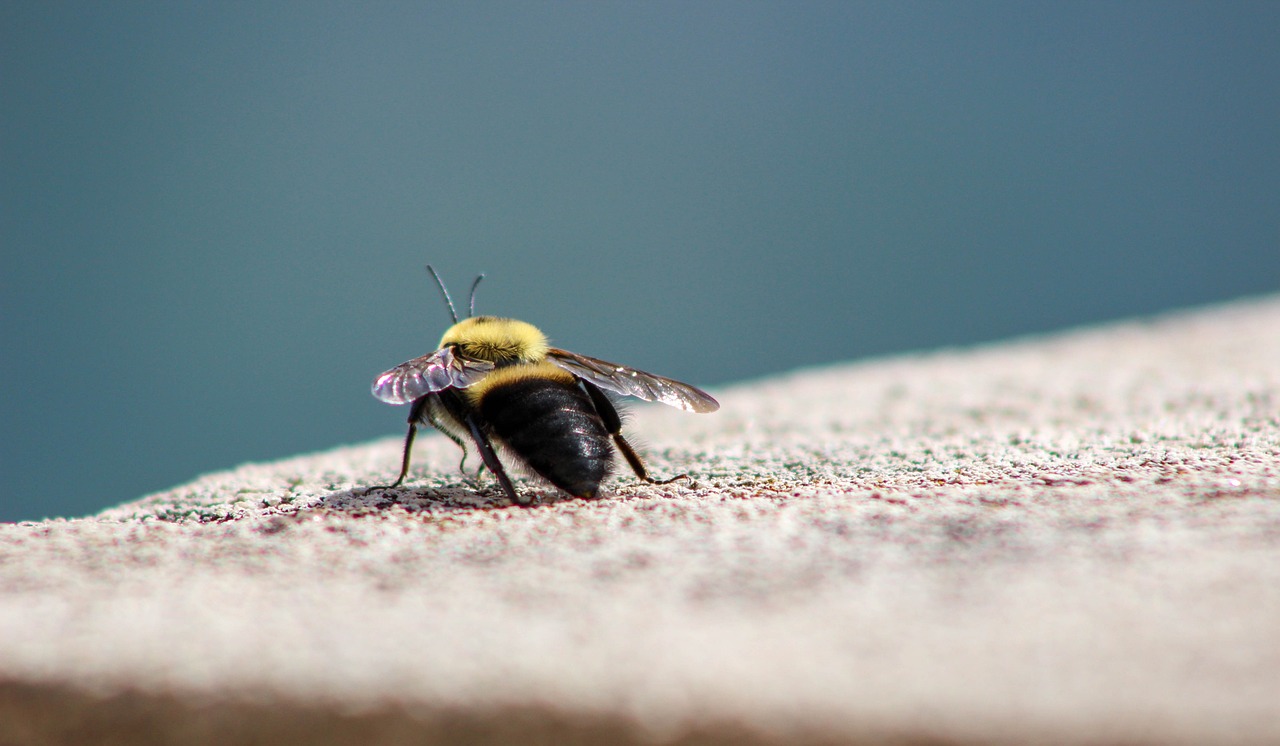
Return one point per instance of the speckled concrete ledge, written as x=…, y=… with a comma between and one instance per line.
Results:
x=1073, y=538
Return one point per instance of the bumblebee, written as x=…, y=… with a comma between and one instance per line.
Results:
x=498, y=384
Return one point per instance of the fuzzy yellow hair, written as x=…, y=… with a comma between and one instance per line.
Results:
x=497, y=340
x=542, y=371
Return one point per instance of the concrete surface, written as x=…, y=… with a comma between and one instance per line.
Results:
x=1073, y=538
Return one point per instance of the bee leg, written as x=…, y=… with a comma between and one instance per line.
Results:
x=454, y=405
x=477, y=480
x=637, y=465
x=404, y=463
x=613, y=425
x=473, y=482
x=415, y=414
x=490, y=458
x=462, y=462
x=438, y=424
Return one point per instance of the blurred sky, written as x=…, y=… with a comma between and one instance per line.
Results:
x=214, y=216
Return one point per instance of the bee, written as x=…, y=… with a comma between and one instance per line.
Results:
x=497, y=383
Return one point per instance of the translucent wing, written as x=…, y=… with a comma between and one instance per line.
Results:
x=631, y=382
x=427, y=374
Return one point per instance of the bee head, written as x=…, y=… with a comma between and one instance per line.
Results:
x=497, y=340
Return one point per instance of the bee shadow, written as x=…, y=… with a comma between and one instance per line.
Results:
x=365, y=501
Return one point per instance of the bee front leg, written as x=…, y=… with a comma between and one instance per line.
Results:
x=415, y=415
x=404, y=461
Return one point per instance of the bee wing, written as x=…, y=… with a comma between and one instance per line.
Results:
x=631, y=382
x=427, y=374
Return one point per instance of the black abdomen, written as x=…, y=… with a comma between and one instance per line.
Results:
x=553, y=426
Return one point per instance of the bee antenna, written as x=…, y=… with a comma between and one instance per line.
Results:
x=445, y=292
x=471, y=310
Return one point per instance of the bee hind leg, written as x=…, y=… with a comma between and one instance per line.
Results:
x=637, y=465
x=613, y=425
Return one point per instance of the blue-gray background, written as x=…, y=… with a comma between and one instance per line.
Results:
x=215, y=216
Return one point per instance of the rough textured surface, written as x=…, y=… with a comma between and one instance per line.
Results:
x=1073, y=538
